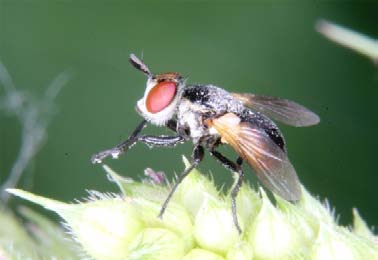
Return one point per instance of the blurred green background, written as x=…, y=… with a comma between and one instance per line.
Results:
x=261, y=47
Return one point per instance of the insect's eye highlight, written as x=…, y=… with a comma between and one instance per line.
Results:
x=160, y=96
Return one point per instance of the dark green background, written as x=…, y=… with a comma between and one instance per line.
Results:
x=261, y=47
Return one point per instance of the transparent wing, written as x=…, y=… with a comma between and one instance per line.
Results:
x=268, y=160
x=282, y=110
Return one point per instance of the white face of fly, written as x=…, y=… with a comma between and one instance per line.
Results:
x=162, y=94
x=161, y=98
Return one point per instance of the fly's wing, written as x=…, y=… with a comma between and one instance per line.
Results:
x=283, y=110
x=268, y=160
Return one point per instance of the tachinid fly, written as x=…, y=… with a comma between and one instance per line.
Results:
x=210, y=116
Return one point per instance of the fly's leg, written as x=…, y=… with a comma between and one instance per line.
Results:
x=172, y=124
x=150, y=140
x=122, y=147
x=235, y=167
x=162, y=140
x=239, y=161
x=197, y=157
x=135, y=136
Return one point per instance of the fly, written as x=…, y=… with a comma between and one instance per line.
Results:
x=210, y=116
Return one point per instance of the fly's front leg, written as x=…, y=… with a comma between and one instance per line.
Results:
x=172, y=124
x=197, y=157
x=235, y=167
x=122, y=147
x=162, y=140
x=149, y=140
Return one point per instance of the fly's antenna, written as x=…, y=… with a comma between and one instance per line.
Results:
x=138, y=64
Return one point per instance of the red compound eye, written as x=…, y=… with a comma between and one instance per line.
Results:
x=160, y=96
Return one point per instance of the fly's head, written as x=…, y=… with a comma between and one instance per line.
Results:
x=162, y=95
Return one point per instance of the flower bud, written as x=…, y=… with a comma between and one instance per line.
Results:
x=214, y=226
x=156, y=243
x=271, y=235
x=332, y=244
x=314, y=207
x=4, y=253
x=307, y=224
x=131, y=188
x=175, y=218
x=240, y=251
x=201, y=254
x=361, y=228
x=194, y=189
x=14, y=240
x=103, y=226
x=248, y=203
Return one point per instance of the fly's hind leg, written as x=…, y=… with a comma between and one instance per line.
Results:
x=235, y=167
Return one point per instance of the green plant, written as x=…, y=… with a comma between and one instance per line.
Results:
x=198, y=224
